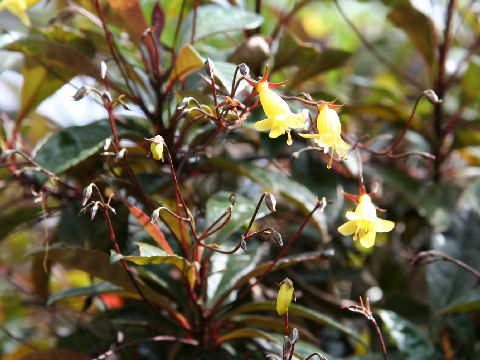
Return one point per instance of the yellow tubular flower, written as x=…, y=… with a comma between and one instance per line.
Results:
x=280, y=118
x=363, y=223
x=156, y=147
x=18, y=8
x=285, y=295
x=329, y=132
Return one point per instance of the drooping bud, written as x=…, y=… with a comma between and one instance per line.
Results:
x=93, y=211
x=87, y=193
x=121, y=154
x=284, y=297
x=277, y=237
x=155, y=216
x=287, y=346
x=432, y=97
x=107, y=144
x=209, y=67
x=103, y=69
x=244, y=69
x=243, y=244
x=294, y=337
x=83, y=91
x=270, y=201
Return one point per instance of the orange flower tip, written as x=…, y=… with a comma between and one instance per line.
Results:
x=275, y=85
x=289, y=138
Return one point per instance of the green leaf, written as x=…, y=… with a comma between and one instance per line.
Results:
x=96, y=289
x=244, y=333
x=412, y=342
x=241, y=214
x=213, y=19
x=226, y=270
x=74, y=144
x=276, y=184
x=97, y=264
x=302, y=311
x=154, y=255
x=15, y=215
x=55, y=54
x=447, y=281
x=471, y=87
x=467, y=302
x=418, y=27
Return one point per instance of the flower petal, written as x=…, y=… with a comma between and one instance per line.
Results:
x=348, y=228
x=295, y=120
x=310, y=136
x=350, y=215
x=276, y=132
x=383, y=225
x=263, y=125
x=367, y=239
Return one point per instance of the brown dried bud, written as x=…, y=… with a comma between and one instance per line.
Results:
x=103, y=69
x=155, y=216
x=287, y=346
x=93, y=211
x=82, y=92
x=277, y=237
x=243, y=244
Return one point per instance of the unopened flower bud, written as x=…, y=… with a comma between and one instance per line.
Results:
x=243, y=244
x=87, y=193
x=287, y=346
x=244, y=69
x=82, y=92
x=432, y=97
x=103, y=69
x=284, y=297
x=277, y=237
x=271, y=202
x=106, y=96
x=294, y=337
x=209, y=67
x=93, y=211
x=107, y=144
x=155, y=216
x=121, y=154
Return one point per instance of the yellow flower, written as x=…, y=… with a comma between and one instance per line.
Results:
x=329, y=132
x=280, y=118
x=285, y=295
x=18, y=8
x=363, y=222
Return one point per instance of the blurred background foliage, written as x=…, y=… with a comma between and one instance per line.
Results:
x=376, y=57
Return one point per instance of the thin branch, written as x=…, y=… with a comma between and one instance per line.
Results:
x=430, y=256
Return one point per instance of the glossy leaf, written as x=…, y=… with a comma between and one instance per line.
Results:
x=97, y=264
x=244, y=333
x=15, y=215
x=55, y=54
x=187, y=62
x=418, y=27
x=457, y=243
x=213, y=19
x=226, y=270
x=467, y=302
x=303, y=312
x=153, y=255
x=72, y=145
x=278, y=184
x=96, y=289
x=412, y=342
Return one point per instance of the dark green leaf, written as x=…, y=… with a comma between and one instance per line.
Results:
x=471, y=87
x=96, y=289
x=467, y=302
x=412, y=342
x=74, y=144
x=418, y=27
x=212, y=19
x=447, y=281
